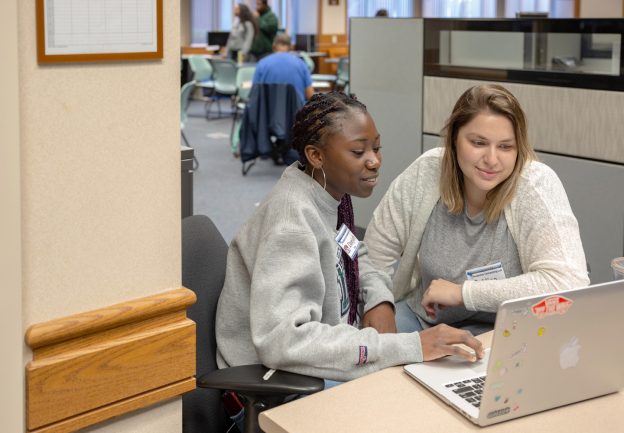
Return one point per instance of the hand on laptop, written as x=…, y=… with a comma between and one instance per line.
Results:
x=380, y=317
x=442, y=293
x=440, y=341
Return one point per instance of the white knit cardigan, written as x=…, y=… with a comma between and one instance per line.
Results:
x=539, y=218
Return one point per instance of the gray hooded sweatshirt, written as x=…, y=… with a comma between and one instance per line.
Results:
x=282, y=304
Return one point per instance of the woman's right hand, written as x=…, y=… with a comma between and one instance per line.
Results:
x=441, y=340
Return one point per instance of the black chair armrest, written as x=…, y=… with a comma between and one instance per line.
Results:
x=248, y=380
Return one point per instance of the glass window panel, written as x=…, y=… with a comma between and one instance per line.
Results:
x=576, y=53
x=368, y=8
x=459, y=8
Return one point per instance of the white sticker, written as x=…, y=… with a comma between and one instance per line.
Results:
x=347, y=241
x=493, y=271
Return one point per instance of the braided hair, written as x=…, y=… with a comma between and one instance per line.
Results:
x=317, y=119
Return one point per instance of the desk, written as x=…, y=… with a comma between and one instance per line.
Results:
x=391, y=401
x=334, y=60
x=199, y=49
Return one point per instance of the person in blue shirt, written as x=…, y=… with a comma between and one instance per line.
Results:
x=284, y=67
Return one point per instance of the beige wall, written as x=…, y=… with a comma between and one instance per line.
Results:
x=601, y=8
x=99, y=190
x=333, y=18
x=185, y=23
x=11, y=362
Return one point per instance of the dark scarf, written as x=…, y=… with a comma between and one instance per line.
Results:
x=345, y=215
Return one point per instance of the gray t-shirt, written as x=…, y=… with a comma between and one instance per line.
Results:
x=453, y=244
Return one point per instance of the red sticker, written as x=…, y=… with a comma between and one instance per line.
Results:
x=552, y=305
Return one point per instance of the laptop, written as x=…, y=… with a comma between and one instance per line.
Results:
x=547, y=351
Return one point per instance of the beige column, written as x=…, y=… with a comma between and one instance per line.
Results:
x=11, y=331
x=99, y=186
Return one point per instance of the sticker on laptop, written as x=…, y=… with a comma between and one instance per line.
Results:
x=551, y=306
x=498, y=412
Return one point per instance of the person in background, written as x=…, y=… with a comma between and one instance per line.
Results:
x=476, y=222
x=296, y=298
x=284, y=67
x=382, y=13
x=244, y=31
x=267, y=29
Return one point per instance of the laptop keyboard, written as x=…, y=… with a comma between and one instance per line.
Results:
x=469, y=389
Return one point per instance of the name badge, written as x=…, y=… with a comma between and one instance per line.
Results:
x=347, y=241
x=494, y=271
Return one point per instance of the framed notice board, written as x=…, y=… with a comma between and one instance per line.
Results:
x=99, y=30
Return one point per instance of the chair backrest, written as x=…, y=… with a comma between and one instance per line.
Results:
x=204, y=253
x=268, y=119
x=244, y=75
x=201, y=67
x=308, y=60
x=185, y=95
x=342, y=71
x=224, y=76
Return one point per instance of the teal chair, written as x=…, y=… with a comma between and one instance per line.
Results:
x=203, y=78
x=244, y=76
x=319, y=81
x=185, y=96
x=307, y=59
x=225, y=71
x=342, y=74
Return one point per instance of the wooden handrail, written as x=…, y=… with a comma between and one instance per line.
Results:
x=77, y=325
x=92, y=366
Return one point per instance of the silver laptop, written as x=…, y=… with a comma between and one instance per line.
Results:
x=547, y=351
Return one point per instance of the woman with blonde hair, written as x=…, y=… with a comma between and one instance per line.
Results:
x=476, y=222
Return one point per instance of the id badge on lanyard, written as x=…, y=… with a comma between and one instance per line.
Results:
x=347, y=241
x=493, y=271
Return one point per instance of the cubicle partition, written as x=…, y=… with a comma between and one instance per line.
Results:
x=386, y=73
x=568, y=76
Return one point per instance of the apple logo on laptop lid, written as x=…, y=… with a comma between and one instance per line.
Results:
x=569, y=353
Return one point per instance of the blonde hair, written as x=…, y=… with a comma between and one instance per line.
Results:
x=478, y=99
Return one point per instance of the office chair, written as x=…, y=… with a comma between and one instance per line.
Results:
x=185, y=95
x=342, y=75
x=266, y=126
x=203, y=77
x=307, y=60
x=319, y=81
x=225, y=71
x=244, y=75
x=204, y=253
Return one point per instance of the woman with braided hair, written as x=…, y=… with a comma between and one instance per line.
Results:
x=295, y=296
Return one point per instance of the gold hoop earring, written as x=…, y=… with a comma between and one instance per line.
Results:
x=324, y=177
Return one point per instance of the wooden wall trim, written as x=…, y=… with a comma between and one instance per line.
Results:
x=65, y=328
x=119, y=408
x=91, y=366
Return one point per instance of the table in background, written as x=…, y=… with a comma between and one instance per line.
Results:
x=391, y=401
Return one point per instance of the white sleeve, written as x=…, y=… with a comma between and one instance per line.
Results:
x=375, y=286
x=388, y=230
x=395, y=231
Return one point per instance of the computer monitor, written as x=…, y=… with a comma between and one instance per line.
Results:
x=531, y=14
x=305, y=42
x=217, y=38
